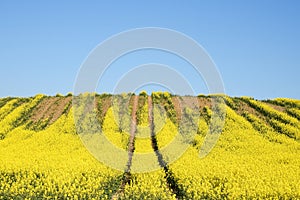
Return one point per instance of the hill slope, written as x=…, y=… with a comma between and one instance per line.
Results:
x=257, y=155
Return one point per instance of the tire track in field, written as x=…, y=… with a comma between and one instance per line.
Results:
x=133, y=125
x=172, y=182
x=126, y=179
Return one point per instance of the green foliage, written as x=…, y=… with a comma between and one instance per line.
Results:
x=165, y=99
x=59, y=95
x=291, y=103
x=280, y=121
x=8, y=108
x=101, y=100
x=3, y=101
x=202, y=95
x=143, y=93
x=294, y=112
x=287, y=129
x=142, y=110
x=67, y=107
x=231, y=102
x=19, y=115
x=2, y=136
x=104, y=95
x=257, y=123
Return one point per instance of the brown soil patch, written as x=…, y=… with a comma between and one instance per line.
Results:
x=42, y=108
x=150, y=112
x=177, y=107
x=105, y=105
x=131, y=100
x=59, y=107
x=189, y=101
x=181, y=102
x=89, y=106
x=243, y=107
x=204, y=101
x=276, y=107
x=50, y=108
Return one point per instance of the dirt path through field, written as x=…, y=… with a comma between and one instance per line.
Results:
x=127, y=175
x=132, y=132
x=171, y=181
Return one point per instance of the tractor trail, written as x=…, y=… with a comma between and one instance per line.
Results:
x=172, y=182
x=133, y=125
x=126, y=179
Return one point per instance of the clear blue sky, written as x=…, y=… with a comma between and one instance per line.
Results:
x=255, y=44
